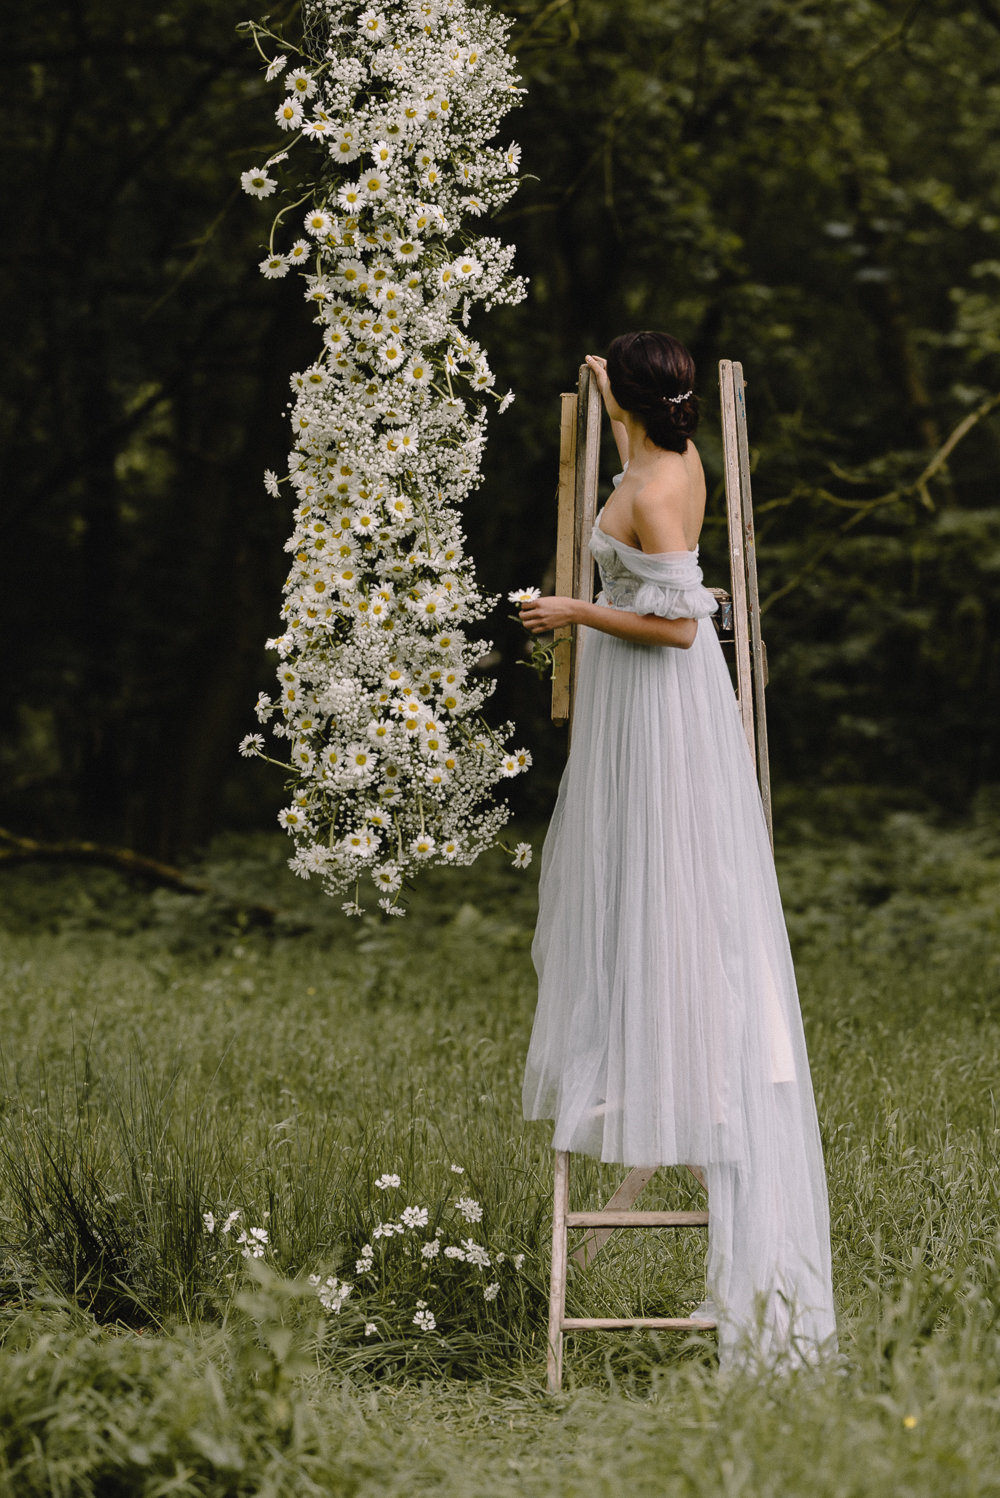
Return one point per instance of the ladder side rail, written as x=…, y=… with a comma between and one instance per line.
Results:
x=557, y=1279
x=758, y=658
x=565, y=635
x=737, y=564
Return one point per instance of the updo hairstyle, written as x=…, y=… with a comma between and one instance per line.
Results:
x=645, y=370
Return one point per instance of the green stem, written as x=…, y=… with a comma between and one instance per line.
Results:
x=280, y=215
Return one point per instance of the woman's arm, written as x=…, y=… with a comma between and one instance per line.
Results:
x=618, y=428
x=547, y=613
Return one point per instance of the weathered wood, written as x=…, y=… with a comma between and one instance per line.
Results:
x=565, y=640
x=758, y=657
x=557, y=1281
x=737, y=560
x=628, y=1323
x=588, y=447
x=633, y=1219
x=627, y=1192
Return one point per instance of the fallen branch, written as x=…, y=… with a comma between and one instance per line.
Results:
x=15, y=849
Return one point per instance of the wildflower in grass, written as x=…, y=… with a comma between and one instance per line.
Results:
x=476, y=1254
x=253, y=1243
x=490, y=1292
x=230, y=1221
x=470, y=1209
x=331, y=1292
x=400, y=109
x=385, y=1181
x=424, y=1318
x=363, y=1264
x=414, y=1217
x=452, y=1251
x=458, y=1169
x=431, y=1249
x=370, y=1328
x=208, y=1218
x=518, y=1260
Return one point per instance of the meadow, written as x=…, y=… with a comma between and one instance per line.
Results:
x=165, y=1057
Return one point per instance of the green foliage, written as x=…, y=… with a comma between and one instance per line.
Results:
x=165, y=1065
x=813, y=190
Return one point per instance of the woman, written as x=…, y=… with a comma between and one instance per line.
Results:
x=668, y=1028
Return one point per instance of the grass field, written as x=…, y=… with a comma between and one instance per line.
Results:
x=162, y=1060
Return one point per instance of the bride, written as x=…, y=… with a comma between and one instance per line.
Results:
x=668, y=1028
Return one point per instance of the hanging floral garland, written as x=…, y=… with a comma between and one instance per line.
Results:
x=392, y=763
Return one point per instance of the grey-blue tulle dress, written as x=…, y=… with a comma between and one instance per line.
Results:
x=668, y=1028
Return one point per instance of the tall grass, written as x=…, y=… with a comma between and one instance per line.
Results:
x=161, y=1061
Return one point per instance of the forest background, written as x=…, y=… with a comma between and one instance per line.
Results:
x=813, y=189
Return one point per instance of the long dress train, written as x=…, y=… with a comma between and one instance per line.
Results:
x=668, y=1028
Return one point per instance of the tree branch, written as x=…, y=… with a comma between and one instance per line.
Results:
x=15, y=849
x=916, y=490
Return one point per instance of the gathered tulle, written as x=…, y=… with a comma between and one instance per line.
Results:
x=668, y=1028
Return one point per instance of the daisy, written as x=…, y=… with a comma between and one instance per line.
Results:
x=301, y=83
x=273, y=267
x=318, y=223
x=274, y=67
x=289, y=114
x=257, y=183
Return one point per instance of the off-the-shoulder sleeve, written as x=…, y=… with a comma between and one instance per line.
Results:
x=670, y=586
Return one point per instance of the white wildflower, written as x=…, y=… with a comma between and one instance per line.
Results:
x=522, y=855
x=257, y=183
x=490, y=1292
x=388, y=431
x=414, y=1217
x=385, y=1181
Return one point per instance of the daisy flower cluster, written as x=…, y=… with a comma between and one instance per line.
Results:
x=419, y=1264
x=378, y=696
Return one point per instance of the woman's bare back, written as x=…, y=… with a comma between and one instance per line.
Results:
x=662, y=499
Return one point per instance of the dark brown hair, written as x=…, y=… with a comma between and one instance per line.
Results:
x=647, y=369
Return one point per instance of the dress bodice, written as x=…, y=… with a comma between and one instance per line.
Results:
x=667, y=583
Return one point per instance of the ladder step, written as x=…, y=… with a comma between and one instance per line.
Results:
x=655, y=1323
x=629, y=1219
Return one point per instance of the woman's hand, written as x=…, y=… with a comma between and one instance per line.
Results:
x=543, y=614
x=600, y=368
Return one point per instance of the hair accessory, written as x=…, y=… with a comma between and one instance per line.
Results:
x=675, y=400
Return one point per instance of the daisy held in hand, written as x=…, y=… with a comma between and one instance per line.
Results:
x=392, y=763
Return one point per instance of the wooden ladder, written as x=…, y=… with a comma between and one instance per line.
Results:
x=579, y=453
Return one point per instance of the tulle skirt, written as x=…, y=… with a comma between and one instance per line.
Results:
x=668, y=1028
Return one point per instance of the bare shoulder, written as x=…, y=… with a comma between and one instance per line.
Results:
x=669, y=505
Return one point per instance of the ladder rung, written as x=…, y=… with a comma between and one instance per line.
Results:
x=629, y=1219
x=613, y=1323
